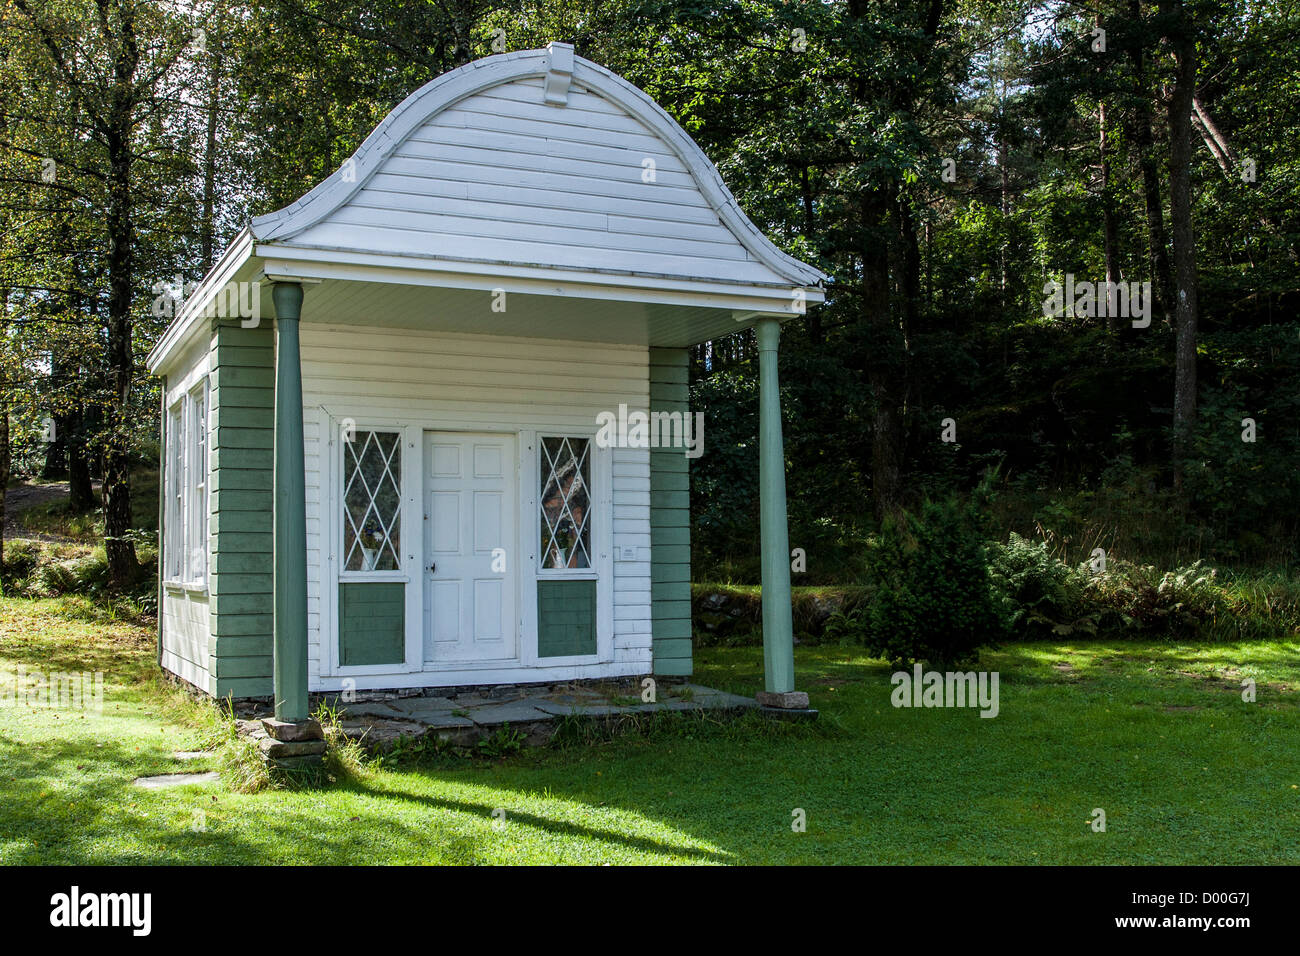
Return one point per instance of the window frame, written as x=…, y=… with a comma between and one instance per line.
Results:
x=332, y=427
x=592, y=571
x=174, y=527
x=403, y=572
x=197, y=484
x=185, y=560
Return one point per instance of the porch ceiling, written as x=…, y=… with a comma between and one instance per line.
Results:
x=526, y=315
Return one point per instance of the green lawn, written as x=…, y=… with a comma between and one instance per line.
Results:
x=1155, y=734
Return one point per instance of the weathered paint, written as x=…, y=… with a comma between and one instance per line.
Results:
x=290, y=507
x=670, y=519
x=778, y=626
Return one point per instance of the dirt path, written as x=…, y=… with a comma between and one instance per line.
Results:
x=20, y=497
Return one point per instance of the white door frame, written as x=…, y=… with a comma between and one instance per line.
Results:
x=527, y=541
x=512, y=541
x=602, y=474
x=412, y=546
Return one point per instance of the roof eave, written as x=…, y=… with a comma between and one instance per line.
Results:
x=184, y=326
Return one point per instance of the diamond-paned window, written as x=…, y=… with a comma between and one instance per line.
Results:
x=566, y=503
x=372, y=501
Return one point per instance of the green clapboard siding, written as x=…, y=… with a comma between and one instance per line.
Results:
x=372, y=623
x=670, y=518
x=243, y=419
x=566, y=618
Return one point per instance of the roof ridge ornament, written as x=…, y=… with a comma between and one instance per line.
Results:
x=559, y=72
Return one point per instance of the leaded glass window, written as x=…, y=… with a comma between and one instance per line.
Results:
x=566, y=503
x=372, y=501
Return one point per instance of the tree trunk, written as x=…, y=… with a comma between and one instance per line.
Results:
x=206, y=226
x=1183, y=43
x=1110, y=229
x=1144, y=146
x=55, y=465
x=884, y=361
x=815, y=334
x=1004, y=206
x=120, y=551
x=4, y=469
x=81, y=493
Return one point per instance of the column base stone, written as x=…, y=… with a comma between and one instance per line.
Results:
x=291, y=731
x=783, y=700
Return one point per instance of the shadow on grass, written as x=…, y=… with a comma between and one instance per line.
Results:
x=561, y=828
x=51, y=813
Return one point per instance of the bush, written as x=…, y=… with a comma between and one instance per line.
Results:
x=1184, y=602
x=21, y=559
x=933, y=599
x=85, y=575
x=1038, y=595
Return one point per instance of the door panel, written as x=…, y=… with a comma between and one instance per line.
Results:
x=470, y=528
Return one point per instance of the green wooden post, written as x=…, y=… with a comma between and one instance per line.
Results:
x=778, y=625
x=290, y=505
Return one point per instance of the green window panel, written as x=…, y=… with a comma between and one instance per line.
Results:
x=372, y=623
x=566, y=618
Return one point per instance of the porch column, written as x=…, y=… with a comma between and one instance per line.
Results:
x=778, y=626
x=290, y=524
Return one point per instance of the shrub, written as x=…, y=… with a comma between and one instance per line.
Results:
x=85, y=575
x=932, y=595
x=1181, y=603
x=1039, y=595
x=21, y=559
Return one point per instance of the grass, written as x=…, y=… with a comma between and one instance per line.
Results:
x=1154, y=733
x=56, y=519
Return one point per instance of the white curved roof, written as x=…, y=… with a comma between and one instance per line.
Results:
x=537, y=159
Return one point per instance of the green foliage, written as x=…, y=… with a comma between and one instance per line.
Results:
x=1183, y=603
x=36, y=569
x=501, y=742
x=1039, y=596
x=932, y=597
x=344, y=756
x=20, y=560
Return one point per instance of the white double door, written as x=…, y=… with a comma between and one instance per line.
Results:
x=471, y=506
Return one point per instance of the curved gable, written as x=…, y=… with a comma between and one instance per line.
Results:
x=538, y=159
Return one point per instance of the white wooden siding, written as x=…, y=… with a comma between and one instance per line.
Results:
x=502, y=177
x=186, y=624
x=489, y=383
x=185, y=635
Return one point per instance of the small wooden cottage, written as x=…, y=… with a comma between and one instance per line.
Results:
x=427, y=426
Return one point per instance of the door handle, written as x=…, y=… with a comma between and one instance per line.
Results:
x=433, y=568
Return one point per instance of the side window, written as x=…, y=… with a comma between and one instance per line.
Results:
x=372, y=501
x=197, y=485
x=565, y=503
x=174, y=537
